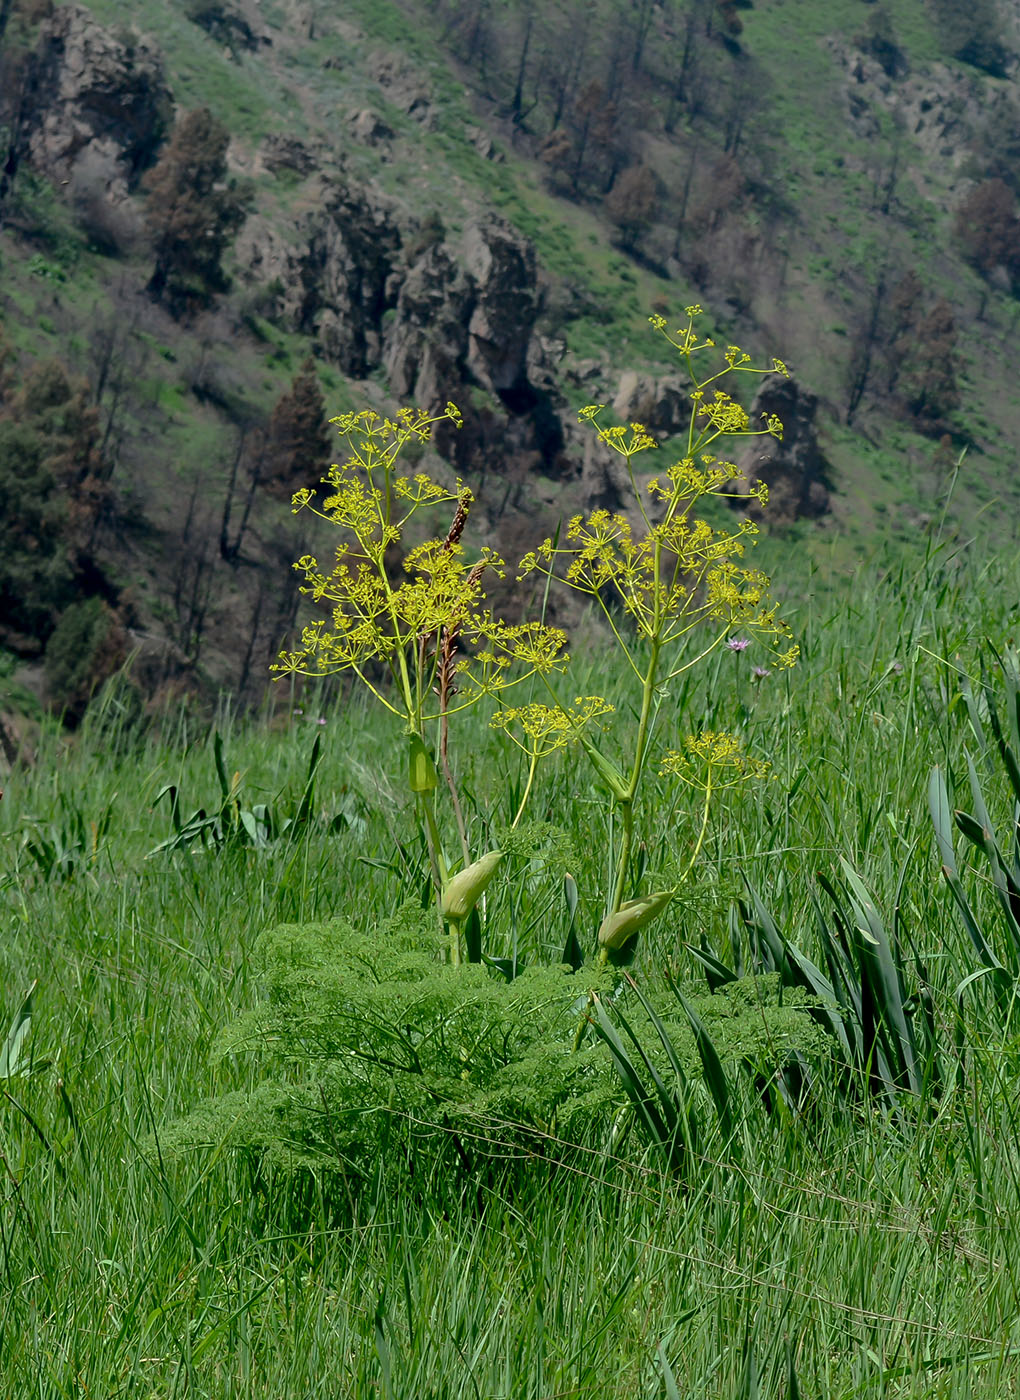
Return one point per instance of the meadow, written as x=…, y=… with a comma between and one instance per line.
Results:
x=858, y=1237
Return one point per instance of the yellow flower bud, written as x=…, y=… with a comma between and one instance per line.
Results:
x=618, y=928
x=463, y=891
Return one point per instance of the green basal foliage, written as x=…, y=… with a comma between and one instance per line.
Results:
x=380, y=1061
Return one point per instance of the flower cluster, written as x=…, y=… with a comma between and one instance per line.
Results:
x=681, y=571
x=431, y=630
x=546, y=728
x=712, y=758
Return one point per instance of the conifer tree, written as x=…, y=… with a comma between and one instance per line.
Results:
x=53, y=487
x=987, y=228
x=299, y=439
x=194, y=209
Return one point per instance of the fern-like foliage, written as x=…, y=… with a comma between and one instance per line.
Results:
x=380, y=1059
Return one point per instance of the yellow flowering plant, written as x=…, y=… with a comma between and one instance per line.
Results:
x=418, y=620
x=545, y=729
x=412, y=622
x=657, y=575
x=393, y=1052
x=385, y=1063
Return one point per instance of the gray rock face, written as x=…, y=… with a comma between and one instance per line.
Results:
x=288, y=153
x=794, y=469
x=466, y=316
x=235, y=23
x=267, y=261
x=336, y=278
x=938, y=107
x=103, y=103
x=347, y=277
x=662, y=405
x=369, y=128
x=455, y=317
x=402, y=84
x=501, y=265
x=427, y=341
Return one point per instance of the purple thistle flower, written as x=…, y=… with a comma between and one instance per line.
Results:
x=738, y=643
x=760, y=672
x=321, y=721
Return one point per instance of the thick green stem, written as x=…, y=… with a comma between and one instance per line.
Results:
x=583, y=1021
x=437, y=865
x=455, y=943
x=704, y=828
x=623, y=859
x=640, y=751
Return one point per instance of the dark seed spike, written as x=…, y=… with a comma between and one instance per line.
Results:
x=459, y=520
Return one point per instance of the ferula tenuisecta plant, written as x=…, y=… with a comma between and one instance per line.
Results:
x=670, y=587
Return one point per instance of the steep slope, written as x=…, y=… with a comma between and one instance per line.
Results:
x=484, y=204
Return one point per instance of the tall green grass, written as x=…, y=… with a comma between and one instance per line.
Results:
x=858, y=1246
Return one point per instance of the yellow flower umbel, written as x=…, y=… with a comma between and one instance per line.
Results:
x=547, y=729
x=676, y=574
x=409, y=626
x=711, y=761
x=421, y=618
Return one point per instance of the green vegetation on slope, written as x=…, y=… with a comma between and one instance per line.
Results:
x=866, y=1253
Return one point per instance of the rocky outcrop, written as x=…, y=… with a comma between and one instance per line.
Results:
x=467, y=314
x=102, y=102
x=457, y=317
x=279, y=152
x=938, y=108
x=663, y=406
x=368, y=127
x=484, y=144
x=794, y=469
x=334, y=279
x=426, y=343
x=402, y=85
x=347, y=277
x=501, y=266
x=237, y=24
x=271, y=267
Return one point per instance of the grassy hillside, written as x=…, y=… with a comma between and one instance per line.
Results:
x=793, y=193
x=858, y=1247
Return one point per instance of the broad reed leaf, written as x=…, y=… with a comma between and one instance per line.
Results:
x=221, y=767
x=881, y=973
x=938, y=807
x=642, y=1101
x=14, y=1041
x=685, y=1115
x=668, y=1378
x=304, y=811
x=573, y=953
x=715, y=1075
